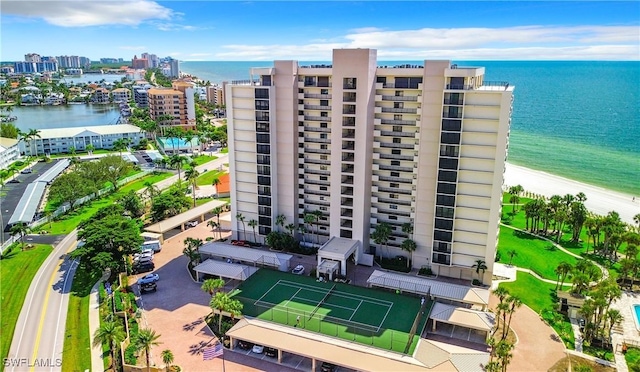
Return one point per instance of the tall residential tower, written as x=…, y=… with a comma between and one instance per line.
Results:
x=419, y=145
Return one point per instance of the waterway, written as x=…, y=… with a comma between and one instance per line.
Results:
x=65, y=116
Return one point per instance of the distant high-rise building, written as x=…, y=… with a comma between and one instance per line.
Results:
x=32, y=57
x=152, y=58
x=410, y=145
x=177, y=102
x=139, y=63
x=175, y=68
x=31, y=67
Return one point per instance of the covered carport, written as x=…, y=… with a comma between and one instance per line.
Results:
x=224, y=270
x=28, y=204
x=338, y=250
x=461, y=323
x=256, y=257
x=195, y=214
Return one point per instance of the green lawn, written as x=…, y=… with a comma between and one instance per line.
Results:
x=70, y=221
x=364, y=315
x=206, y=179
x=506, y=197
x=76, y=354
x=532, y=252
x=16, y=273
x=201, y=159
x=532, y=292
x=632, y=356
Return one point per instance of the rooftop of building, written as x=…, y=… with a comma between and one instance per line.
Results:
x=6, y=143
x=93, y=130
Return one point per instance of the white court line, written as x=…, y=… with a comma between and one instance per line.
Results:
x=385, y=318
x=356, y=310
x=329, y=305
x=337, y=293
x=272, y=287
x=291, y=298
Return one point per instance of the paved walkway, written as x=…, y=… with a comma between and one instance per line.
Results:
x=94, y=323
x=628, y=330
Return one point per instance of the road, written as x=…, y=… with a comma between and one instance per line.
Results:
x=39, y=336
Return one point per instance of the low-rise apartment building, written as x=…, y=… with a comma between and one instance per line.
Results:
x=173, y=107
x=8, y=152
x=100, y=95
x=121, y=95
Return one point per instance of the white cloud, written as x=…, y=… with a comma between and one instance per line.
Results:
x=82, y=13
x=507, y=43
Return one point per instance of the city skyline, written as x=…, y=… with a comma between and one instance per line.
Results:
x=264, y=30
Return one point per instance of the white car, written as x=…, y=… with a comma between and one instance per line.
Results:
x=192, y=223
x=145, y=256
x=149, y=278
x=298, y=270
x=258, y=349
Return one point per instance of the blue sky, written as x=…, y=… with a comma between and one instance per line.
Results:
x=307, y=30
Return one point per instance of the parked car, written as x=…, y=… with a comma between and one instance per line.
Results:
x=258, y=349
x=192, y=223
x=327, y=367
x=244, y=345
x=154, y=245
x=142, y=260
x=270, y=352
x=242, y=243
x=149, y=287
x=298, y=270
x=143, y=267
x=26, y=171
x=149, y=278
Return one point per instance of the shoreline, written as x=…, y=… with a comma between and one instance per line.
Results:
x=599, y=200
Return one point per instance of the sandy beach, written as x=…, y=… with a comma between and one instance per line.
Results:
x=599, y=200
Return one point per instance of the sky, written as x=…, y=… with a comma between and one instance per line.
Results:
x=309, y=30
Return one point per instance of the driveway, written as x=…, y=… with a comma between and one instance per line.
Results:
x=177, y=310
x=538, y=347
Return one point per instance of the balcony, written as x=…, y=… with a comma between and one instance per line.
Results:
x=317, y=118
x=348, y=133
x=397, y=134
x=346, y=223
x=317, y=107
x=316, y=182
x=347, y=191
x=316, y=129
x=396, y=157
x=311, y=150
x=346, y=180
x=442, y=259
x=452, y=115
x=349, y=146
x=395, y=179
x=316, y=161
x=397, y=145
x=349, y=111
x=309, y=170
x=398, y=122
x=348, y=157
x=346, y=202
x=349, y=97
x=346, y=212
x=318, y=96
x=394, y=190
x=316, y=202
x=400, y=110
x=316, y=192
x=347, y=168
x=394, y=201
x=395, y=168
x=317, y=140
x=459, y=87
x=458, y=102
x=400, y=98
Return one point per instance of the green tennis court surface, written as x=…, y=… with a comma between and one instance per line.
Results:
x=367, y=316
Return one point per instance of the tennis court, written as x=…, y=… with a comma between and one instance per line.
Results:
x=368, y=316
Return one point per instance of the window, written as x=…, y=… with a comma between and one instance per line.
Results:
x=393, y=196
x=444, y=224
x=450, y=176
x=395, y=152
x=397, y=117
x=396, y=140
x=323, y=125
x=323, y=188
x=324, y=102
x=324, y=157
x=262, y=105
x=349, y=83
x=446, y=236
x=324, y=91
x=445, y=200
x=323, y=135
x=300, y=134
x=450, y=138
x=398, y=105
x=449, y=150
x=262, y=116
x=323, y=147
x=394, y=185
x=262, y=93
x=393, y=206
x=395, y=163
x=324, y=114
x=395, y=218
x=262, y=137
x=395, y=174
x=397, y=128
x=399, y=93
x=445, y=163
x=324, y=178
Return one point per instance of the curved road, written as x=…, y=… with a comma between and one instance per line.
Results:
x=39, y=336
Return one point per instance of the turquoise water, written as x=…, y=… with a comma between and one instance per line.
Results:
x=577, y=119
x=178, y=142
x=636, y=309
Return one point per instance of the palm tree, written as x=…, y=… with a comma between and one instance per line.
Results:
x=515, y=196
x=514, y=303
x=512, y=253
x=29, y=137
x=212, y=286
x=216, y=183
x=252, y=224
x=613, y=317
x=381, y=235
x=191, y=249
x=215, y=227
x=240, y=218
x=167, y=357
x=112, y=334
x=502, y=293
x=119, y=145
x=223, y=303
x=21, y=229
x=188, y=137
x=479, y=265
x=563, y=269
x=150, y=190
x=309, y=218
x=144, y=340
x=409, y=246
x=177, y=161
x=191, y=175
x=281, y=220
x=317, y=214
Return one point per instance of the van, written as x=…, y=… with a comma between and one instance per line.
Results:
x=153, y=244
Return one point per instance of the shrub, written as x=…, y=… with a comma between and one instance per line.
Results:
x=425, y=271
x=130, y=355
x=396, y=264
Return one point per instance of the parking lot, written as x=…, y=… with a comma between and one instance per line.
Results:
x=177, y=309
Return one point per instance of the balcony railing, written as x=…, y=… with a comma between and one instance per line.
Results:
x=398, y=122
x=395, y=168
x=400, y=110
x=394, y=201
x=316, y=129
x=459, y=87
x=397, y=134
x=311, y=150
x=397, y=145
x=394, y=190
x=318, y=96
x=453, y=102
x=349, y=157
x=452, y=115
x=395, y=179
x=396, y=157
x=317, y=140
x=317, y=118
x=400, y=98
x=346, y=191
x=316, y=161
x=317, y=107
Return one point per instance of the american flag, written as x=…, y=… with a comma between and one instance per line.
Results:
x=212, y=352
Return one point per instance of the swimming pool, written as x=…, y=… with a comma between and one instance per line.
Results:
x=636, y=312
x=178, y=143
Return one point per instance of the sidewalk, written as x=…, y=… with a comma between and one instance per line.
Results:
x=94, y=323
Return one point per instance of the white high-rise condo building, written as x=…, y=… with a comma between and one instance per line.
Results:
x=367, y=145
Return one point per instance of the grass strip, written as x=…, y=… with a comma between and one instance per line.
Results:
x=16, y=273
x=76, y=354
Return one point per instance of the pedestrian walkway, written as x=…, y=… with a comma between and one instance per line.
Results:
x=577, y=334
x=94, y=323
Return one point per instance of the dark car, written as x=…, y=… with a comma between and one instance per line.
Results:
x=270, y=352
x=148, y=287
x=244, y=345
x=144, y=267
x=327, y=367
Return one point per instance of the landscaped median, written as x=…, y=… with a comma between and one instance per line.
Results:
x=16, y=272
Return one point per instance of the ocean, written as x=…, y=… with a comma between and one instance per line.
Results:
x=576, y=119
